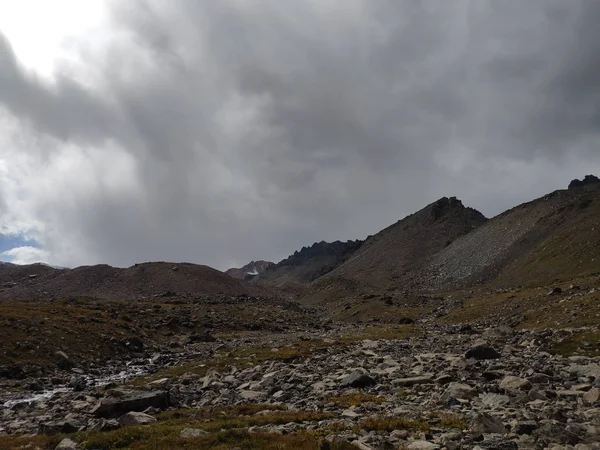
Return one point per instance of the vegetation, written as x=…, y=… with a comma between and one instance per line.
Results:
x=224, y=426
x=346, y=401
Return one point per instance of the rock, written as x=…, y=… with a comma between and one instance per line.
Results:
x=189, y=433
x=12, y=372
x=252, y=395
x=357, y=380
x=404, y=382
x=497, y=444
x=569, y=393
x=525, y=427
x=350, y=414
x=67, y=444
x=423, y=445
x=444, y=379
x=131, y=401
x=553, y=433
x=60, y=427
x=555, y=291
x=495, y=400
x=205, y=337
x=482, y=351
x=591, y=396
x=62, y=361
x=486, y=423
x=512, y=383
x=108, y=425
x=136, y=418
x=406, y=321
x=458, y=391
x=587, y=180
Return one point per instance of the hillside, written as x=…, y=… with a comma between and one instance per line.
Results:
x=106, y=282
x=402, y=248
x=552, y=238
x=309, y=263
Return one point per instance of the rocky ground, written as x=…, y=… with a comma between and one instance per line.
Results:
x=415, y=387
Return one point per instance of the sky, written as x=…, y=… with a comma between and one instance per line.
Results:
x=224, y=132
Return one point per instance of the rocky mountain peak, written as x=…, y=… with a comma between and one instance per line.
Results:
x=587, y=180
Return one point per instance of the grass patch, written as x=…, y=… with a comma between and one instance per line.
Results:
x=346, y=401
x=450, y=421
x=583, y=344
x=30, y=442
x=226, y=427
x=390, y=424
x=384, y=332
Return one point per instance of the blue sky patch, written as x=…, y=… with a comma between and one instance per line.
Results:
x=8, y=241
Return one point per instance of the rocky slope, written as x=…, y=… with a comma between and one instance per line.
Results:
x=309, y=263
x=106, y=282
x=435, y=388
x=250, y=270
x=556, y=237
x=395, y=256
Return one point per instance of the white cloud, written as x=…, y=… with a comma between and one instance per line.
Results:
x=25, y=255
x=221, y=131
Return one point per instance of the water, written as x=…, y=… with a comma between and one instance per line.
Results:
x=132, y=369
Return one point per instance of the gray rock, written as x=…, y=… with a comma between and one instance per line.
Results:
x=404, y=382
x=60, y=426
x=496, y=444
x=190, y=433
x=131, y=401
x=512, y=383
x=482, y=351
x=495, y=400
x=423, y=445
x=67, y=444
x=458, y=391
x=357, y=380
x=591, y=396
x=136, y=418
x=486, y=423
x=525, y=427
x=62, y=361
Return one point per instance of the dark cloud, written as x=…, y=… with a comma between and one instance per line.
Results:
x=220, y=132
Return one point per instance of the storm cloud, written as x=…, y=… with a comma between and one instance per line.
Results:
x=220, y=132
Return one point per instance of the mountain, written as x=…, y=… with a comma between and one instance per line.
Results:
x=309, y=263
x=391, y=255
x=106, y=282
x=552, y=238
x=250, y=270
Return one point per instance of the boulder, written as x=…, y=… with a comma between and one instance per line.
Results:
x=60, y=427
x=412, y=381
x=496, y=444
x=458, y=391
x=591, y=396
x=555, y=433
x=67, y=444
x=422, y=445
x=136, y=418
x=482, y=351
x=190, y=433
x=486, y=423
x=62, y=361
x=512, y=383
x=357, y=380
x=204, y=337
x=131, y=401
